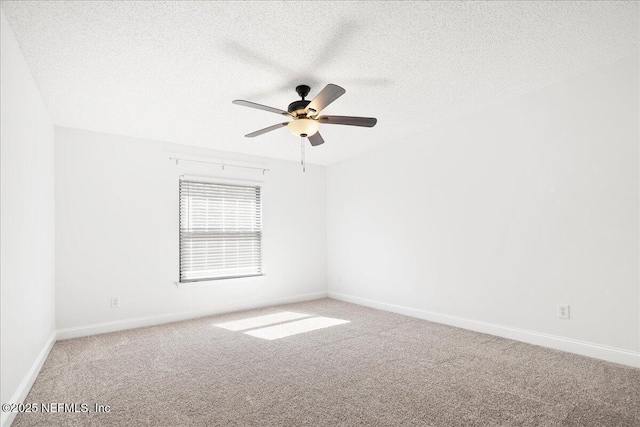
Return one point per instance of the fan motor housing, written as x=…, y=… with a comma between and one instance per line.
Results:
x=298, y=105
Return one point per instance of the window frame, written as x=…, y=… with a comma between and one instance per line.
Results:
x=225, y=182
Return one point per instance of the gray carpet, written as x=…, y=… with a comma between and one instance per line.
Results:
x=381, y=369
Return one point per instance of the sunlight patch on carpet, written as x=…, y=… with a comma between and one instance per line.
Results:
x=294, y=328
x=258, y=321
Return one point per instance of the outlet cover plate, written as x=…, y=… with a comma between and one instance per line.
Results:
x=563, y=311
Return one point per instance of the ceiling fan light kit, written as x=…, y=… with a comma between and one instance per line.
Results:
x=304, y=127
x=305, y=121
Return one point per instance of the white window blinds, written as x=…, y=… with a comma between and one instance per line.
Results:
x=220, y=231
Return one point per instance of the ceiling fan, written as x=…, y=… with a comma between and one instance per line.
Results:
x=304, y=114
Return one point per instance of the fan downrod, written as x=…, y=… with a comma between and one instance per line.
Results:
x=303, y=91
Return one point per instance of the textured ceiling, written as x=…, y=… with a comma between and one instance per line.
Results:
x=169, y=70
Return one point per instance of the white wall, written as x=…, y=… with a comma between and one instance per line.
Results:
x=117, y=232
x=499, y=216
x=26, y=222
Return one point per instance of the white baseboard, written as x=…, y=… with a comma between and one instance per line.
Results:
x=27, y=381
x=101, y=328
x=583, y=348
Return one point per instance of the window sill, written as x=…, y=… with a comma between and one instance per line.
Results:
x=211, y=282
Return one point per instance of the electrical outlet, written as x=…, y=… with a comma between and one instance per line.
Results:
x=563, y=311
x=115, y=302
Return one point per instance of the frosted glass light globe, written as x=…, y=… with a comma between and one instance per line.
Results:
x=303, y=127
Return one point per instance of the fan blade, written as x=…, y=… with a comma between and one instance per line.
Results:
x=326, y=96
x=265, y=130
x=316, y=139
x=260, y=107
x=367, y=122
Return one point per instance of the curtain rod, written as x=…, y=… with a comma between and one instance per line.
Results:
x=178, y=159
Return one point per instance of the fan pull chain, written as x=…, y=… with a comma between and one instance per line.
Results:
x=302, y=160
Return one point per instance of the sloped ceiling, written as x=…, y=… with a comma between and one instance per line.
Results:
x=169, y=70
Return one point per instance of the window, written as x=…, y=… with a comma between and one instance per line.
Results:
x=220, y=231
